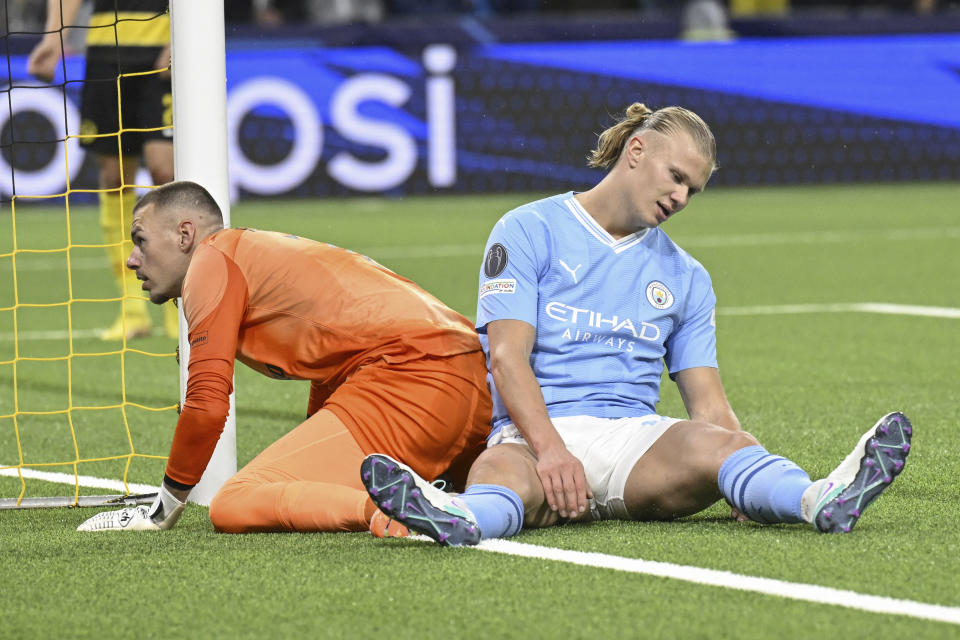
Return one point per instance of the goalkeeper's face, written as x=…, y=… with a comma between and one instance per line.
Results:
x=161, y=252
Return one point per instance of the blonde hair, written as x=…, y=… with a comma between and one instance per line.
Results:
x=638, y=117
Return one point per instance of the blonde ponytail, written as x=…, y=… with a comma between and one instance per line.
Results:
x=638, y=117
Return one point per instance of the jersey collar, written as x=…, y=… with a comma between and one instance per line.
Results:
x=601, y=234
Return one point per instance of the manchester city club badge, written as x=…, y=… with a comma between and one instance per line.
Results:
x=658, y=295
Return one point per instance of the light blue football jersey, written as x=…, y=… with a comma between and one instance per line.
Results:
x=608, y=313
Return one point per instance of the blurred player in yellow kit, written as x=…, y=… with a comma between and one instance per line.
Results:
x=390, y=368
x=134, y=39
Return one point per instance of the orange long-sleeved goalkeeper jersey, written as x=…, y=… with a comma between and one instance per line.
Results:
x=292, y=308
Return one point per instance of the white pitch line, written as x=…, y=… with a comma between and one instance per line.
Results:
x=59, y=264
x=399, y=252
x=785, y=309
x=843, y=307
x=60, y=334
x=711, y=577
x=711, y=241
x=728, y=580
x=89, y=482
x=52, y=335
x=820, y=237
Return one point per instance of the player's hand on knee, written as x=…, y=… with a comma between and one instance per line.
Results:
x=736, y=515
x=161, y=515
x=564, y=482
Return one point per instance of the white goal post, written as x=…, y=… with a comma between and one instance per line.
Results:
x=200, y=154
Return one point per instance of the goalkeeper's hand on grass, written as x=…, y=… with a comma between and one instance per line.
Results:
x=162, y=514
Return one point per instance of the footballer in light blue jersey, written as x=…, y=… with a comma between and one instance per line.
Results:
x=582, y=301
x=607, y=312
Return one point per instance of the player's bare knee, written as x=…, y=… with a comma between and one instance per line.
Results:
x=511, y=466
x=499, y=465
x=736, y=440
x=161, y=174
x=109, y=178
x=708, y=446
x=724, y=445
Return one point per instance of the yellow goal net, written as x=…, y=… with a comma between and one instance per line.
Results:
x=89, y=382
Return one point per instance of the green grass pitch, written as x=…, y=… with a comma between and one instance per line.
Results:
x=807, y=384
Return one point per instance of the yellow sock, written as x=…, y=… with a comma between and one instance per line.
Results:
x=171, y=320
x=116, y=215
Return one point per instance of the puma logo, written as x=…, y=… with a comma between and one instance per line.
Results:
x=573, y=272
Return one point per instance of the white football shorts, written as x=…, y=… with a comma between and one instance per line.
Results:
x=608, y=448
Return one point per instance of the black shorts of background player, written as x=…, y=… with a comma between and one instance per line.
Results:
x=131, y=44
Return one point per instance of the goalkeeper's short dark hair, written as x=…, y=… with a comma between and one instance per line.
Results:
x=182, y=194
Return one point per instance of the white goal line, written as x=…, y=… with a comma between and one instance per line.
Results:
x=90, y=482
x=712, y=577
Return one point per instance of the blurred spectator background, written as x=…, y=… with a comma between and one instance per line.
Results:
x=469, y=95
x=712, y=15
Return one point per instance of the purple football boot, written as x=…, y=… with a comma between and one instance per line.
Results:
x=863, y=475
x=422, y=507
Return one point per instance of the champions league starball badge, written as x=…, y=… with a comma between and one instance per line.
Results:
x=496, y=260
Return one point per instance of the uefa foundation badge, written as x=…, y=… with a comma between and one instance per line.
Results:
x=658, y=295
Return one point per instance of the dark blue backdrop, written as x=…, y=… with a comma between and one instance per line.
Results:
x=309, y=120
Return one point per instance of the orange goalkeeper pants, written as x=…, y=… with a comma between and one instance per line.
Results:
x=433, y=414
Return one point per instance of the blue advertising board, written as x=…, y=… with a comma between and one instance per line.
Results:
x=307, y=120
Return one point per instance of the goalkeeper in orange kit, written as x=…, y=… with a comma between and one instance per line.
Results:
x=391, y=369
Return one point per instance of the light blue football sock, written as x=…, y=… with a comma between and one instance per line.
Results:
x=764, y=487
x=498, y=510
